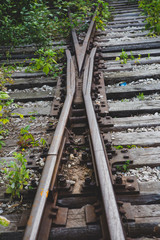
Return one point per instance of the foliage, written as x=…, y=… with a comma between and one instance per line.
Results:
x=132, y=56
x=43, y=142
x=123, y=57
x=124, y=167
x=16, y=175
x=24, y=22
x=4, y=116
x=5, y=103
x=47, y=61
x=118, y=147
x=31, y=21
x=121, y=147
x=131, y=146
x=124, y=100
x=140, y=96
x=80, y=13
x=4, y=221
x=152, y=10
x=102, y=14
x=26, y=139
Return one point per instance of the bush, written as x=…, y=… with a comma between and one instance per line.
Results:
x=152, y=10
x=25, y=22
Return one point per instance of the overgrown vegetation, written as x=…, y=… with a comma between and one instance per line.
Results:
x=48, y=61
x=123, y=58
x=152, y=10
x=124, y=167
x=31, y=21
x=5, y=102
x=27, y=140
x=25, y=22
x=16, y=175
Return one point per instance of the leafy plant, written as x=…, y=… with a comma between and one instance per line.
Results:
x=132, y=56
x=47, y=61
x=16, y=175
x=151, y=9
x=124, y=167
x=4, y=117
x=26, y=139
x=123, y=57
x=148, y=55
x=140, y=96
x=43, y=142
x=24, y=22
x=118, y=147
x=102, y=14
x=4, y=221
x=131, y=146
x=125, y=100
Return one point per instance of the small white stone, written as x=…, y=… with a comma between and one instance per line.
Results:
x=71, y=157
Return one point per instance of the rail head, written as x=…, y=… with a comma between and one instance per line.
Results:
x=34, y=221
x=110, y=205
x=81, y=50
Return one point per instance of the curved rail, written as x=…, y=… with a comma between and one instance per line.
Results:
x=44, y=185
x=110, y=205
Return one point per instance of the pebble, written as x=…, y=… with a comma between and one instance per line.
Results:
x=71, y=157
x=71, y=182
x=1, y=211
x=144, y=174
x=32, y=90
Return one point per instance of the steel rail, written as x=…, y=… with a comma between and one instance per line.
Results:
x=81, y=50
x=110, y=205
x=33, y=224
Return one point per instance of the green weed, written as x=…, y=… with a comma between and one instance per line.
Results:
x=124, y=167
x=140, y=96
x=16, y=175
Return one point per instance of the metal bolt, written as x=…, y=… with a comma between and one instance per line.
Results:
x=119, y=203
x=130, y=180
x=119, y=180
x=62, y=181
x=124, y=150
x=87, y=180
x=114, y=170
x=84, y=155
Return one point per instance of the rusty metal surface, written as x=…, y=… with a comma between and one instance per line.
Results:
x=43, y=189
x=126, y=185
x=61, y=217
x=81, y=50
x=90, y=214
x=110, y=205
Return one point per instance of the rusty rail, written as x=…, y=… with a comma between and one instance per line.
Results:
x=44, y=185
x=110, y=205
x=51, y=165
x=81, y=50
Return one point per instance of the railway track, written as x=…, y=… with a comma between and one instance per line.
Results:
x=101, y=176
